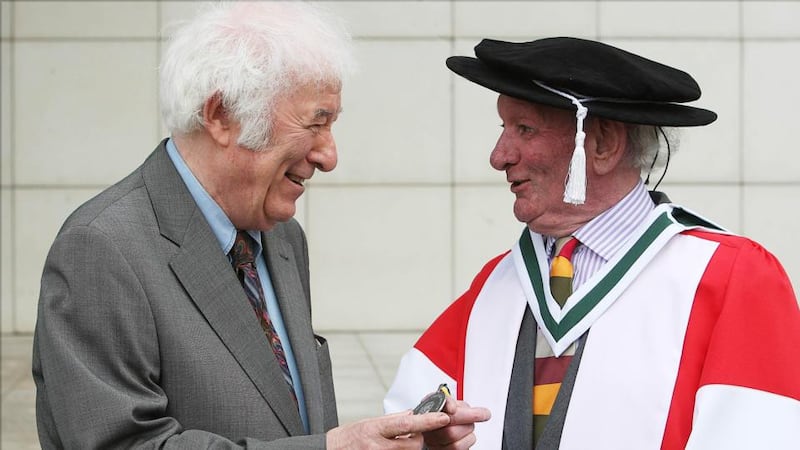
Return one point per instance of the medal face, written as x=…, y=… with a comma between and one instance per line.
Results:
x=431, y=403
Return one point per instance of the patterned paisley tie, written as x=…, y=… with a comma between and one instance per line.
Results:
x=243, y=262
x=549, y=371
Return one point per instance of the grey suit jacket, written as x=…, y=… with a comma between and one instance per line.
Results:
x=145, y=338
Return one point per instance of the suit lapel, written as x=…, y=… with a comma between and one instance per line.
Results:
x=296, y=314
x=518, y=424
x=551, y=435
x=213, y=287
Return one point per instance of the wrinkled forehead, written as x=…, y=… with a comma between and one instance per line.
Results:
x=310, y=101
x=514, y=108
x=317, y=90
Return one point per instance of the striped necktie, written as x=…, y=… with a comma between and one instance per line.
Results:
x=243, y=261
x=561, y=270
x=549, y=371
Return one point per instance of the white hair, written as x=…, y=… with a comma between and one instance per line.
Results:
x=645, y=148
x=250, y=54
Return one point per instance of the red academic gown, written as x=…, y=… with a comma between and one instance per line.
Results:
x=692, y=341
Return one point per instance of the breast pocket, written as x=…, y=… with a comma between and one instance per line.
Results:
x=326, y=379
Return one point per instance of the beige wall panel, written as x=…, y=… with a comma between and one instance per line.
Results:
x=95, y=19
x=770, y=100
x=524, y=20
x=380, y=256
x=477, y=125
x=710, y=153
x=6, y=263
x=668, y=19
x=395, y=124
x=174, y=12
x=359, y=393
x=5, y=19
x=85, y=112
x=6, y=120
x=485, y=227
x=476, y=132
x=393, y=18
x=771, y=19
x=361, y=18
x=387, y=350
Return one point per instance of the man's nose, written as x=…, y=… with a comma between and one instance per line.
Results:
x=324, y=155
x=503, y=154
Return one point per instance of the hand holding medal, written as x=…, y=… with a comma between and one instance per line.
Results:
x=459, y=434
x=435, y=401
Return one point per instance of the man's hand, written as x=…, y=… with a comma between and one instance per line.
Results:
x=393, y=431
x=459, y=434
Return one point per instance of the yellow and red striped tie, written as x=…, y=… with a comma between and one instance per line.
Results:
x=548, y=370
x=561, y=270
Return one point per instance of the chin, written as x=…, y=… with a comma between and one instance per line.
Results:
x=522, y=215
x=284, y=215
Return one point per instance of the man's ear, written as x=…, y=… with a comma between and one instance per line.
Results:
x=216, y=120
x=611, y=138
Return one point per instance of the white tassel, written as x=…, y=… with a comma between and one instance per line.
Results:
x=575, y=189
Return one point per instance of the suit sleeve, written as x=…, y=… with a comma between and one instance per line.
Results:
x=96, y=357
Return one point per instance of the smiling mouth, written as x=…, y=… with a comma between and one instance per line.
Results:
x=295, y=179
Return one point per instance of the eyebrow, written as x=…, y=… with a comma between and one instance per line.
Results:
x=325, y=113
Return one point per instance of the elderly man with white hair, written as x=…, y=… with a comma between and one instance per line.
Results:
x=175, y=306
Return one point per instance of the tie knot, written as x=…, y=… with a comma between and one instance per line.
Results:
x=242, y=250
x=561, y=270
x=565, y=246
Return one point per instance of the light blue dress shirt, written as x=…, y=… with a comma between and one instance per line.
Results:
x=225, y=232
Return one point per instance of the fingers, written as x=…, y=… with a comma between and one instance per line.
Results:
x=461, y=413
x=373, y=433
x=451, y=429
x=459, y=434
x=402, y=424
x=442, y=442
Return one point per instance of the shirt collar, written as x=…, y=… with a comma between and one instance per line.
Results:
x=220, y=224
x=607, y=233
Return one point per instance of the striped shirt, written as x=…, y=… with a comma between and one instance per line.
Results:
x=607, y=233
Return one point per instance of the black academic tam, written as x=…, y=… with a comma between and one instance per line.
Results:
x=610, y=82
